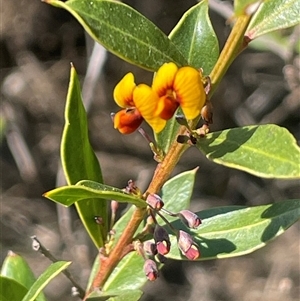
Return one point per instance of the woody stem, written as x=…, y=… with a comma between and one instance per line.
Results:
x=162, y=173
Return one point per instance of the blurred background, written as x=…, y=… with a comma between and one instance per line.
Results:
x=37, y=44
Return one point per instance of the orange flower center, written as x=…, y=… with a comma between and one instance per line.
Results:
x=127, y=120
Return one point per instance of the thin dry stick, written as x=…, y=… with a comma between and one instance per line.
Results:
x=37, y=246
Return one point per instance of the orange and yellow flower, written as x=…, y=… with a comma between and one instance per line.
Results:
x=139, y=103
x=179, y=87
x=172, y=87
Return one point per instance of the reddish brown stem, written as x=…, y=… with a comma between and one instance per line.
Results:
x=161, y=174
x=109, y=263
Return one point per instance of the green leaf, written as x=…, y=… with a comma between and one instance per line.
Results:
x=128, y=275
x=11, y=290
x=267, y=151
x=233, y=231
x=122, y=222
x=126, y=278
x=124, y=32
x=94, y=270
x=80, y=162
x=132, y=295
x=165, y=138
x=86, y=190
x=52, y=271
x=3, y=128
x=16, y=268
x=195, y=37
x=118, y=228
x=177, y=192
x=274, y=15
x=120, y=278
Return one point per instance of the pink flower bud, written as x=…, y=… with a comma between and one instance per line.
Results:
x=150, y=269
x=154, y=201
x=163, y=247
x=187, y=246
x=189, y=218
x=114, y=205
x=162, y=240
x=150, y=248
x=192, y=253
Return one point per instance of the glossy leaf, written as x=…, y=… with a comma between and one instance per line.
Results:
x=233, y=231
x=177, y=192
x=15, y=267
x=122, y=223
x=118, y=277
x=132, y=295
x=85, y=190
x=274, y=15
x=267, y=151
x=80, y=162
x=124, y=32
x=195, y=37
x=128, y=275
x=51, y=272
x=11, y=290
x=168, y=135
x=93, y=272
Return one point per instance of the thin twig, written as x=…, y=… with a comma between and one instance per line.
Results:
x=37, y=246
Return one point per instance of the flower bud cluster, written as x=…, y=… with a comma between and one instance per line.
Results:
x=156, y=249
x=160, y=246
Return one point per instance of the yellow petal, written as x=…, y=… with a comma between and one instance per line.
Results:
x=146, y=100
x=164, y=78
x=189, y=91
x=123, y=92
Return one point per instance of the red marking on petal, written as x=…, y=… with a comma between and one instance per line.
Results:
x=127, y=120
x=192, y=253
x=168, y=107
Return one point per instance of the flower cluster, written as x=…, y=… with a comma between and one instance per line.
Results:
x=172, y=87
x=155, y=249
x=161, y=245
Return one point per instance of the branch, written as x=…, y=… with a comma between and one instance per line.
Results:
x=37, y=246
